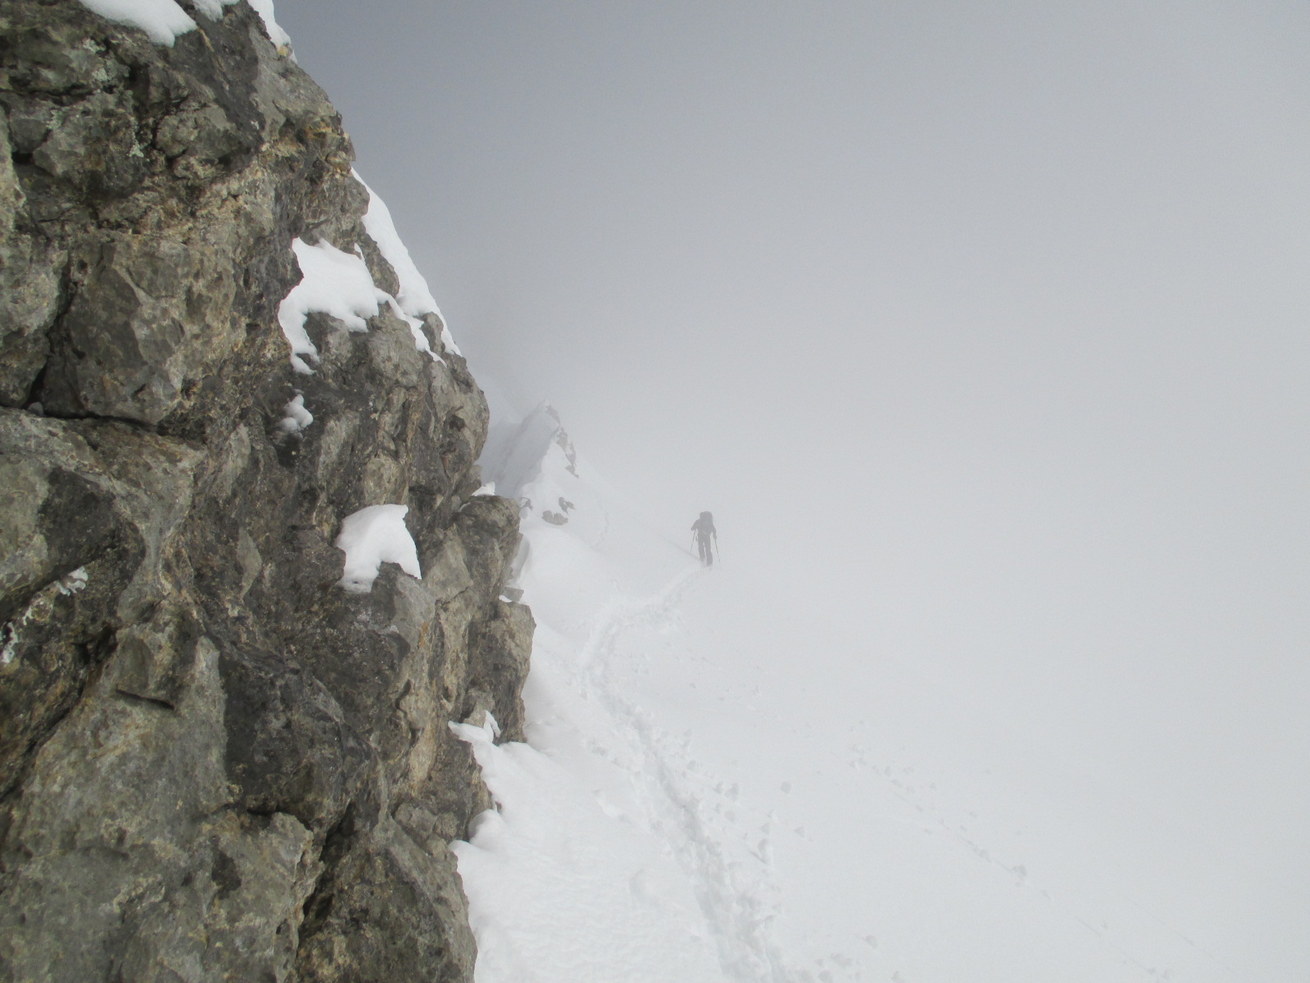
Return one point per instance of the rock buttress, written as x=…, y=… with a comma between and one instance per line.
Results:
x=215, y=762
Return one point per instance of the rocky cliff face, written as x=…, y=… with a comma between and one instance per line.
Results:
x=216, y=762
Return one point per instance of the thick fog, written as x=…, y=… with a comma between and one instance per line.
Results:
x=981, y=329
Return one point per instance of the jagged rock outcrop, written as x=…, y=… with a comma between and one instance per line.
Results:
x=515, y=455
x=216, y=763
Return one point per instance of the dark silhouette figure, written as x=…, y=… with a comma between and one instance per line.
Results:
x=707, y=539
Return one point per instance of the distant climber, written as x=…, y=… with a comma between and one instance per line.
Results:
x=707, y=539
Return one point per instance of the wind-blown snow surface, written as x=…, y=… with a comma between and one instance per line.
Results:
x=701, y=799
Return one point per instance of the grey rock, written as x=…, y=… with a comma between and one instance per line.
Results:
x=29, y=287
x=288, y=748
x=92, y=147
x=499, y=650
x=400, y=906
x=83, y=527
x=215, y=763
x=125, y=860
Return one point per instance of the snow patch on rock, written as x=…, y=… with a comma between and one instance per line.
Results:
x=275, y=32
x=371, y=537
x=333, y=283
x=164, y=20
x=339, y=284
x=296, y=417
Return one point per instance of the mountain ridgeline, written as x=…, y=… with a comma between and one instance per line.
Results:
x=217, y=761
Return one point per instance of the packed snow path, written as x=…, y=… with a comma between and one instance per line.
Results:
x=644, y=779
x=695, y=820
x=717, y=786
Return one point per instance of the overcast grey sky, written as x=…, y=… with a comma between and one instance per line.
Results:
x=989, y=319
x=705, y=230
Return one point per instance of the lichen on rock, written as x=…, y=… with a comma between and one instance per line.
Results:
x=215, y=762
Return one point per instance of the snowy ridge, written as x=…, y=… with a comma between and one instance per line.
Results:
x=700, y=799
x=607, y=827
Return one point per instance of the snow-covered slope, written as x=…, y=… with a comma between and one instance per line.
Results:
x=706, y=794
